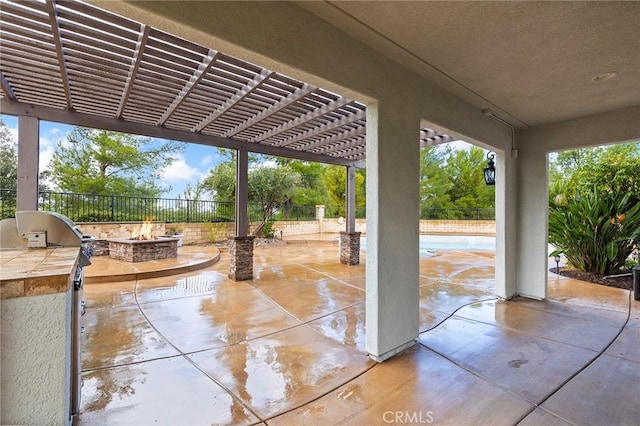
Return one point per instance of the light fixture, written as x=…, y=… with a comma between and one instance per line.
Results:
x=557, y=259
x=490, y=170
x=605, y=76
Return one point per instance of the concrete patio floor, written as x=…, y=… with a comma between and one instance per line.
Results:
x=288, y=348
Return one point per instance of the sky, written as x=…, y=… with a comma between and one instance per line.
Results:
x=189, y=167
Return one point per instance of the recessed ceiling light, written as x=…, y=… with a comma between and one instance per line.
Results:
x=605, y=76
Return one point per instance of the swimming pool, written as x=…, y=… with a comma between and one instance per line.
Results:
x=430, y=243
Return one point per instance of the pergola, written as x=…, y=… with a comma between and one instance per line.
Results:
x=78, y=64
x=556, y=75
x=74, y=61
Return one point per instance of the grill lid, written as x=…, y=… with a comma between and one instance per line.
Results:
x=61, y=231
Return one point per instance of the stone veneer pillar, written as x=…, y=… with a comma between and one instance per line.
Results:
x=350, y=248
x=241, y=258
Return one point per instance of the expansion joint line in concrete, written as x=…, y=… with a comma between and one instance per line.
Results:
x=563, y=384
x=189, y=360
x=554, y=391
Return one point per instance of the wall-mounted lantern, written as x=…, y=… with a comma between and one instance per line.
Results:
x=490, y=170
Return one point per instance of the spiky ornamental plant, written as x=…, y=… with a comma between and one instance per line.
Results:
x=595, y=232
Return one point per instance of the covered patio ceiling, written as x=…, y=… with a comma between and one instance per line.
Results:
x=73, y=62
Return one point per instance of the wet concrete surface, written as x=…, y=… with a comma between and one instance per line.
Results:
x=288, y=347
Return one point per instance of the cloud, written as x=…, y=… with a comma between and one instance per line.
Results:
x=47, y=147
x=266, y=164
x=49, y=141
x=180, y=171
x=206, y=161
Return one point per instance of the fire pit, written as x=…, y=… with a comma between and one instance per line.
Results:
x=143, y=246
x=142, y=250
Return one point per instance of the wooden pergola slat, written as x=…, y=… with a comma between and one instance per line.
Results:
x=294, y=97
x=198, y=74
x=57, y=40
x=136, y=59
x=6, y=88
x=72, y=55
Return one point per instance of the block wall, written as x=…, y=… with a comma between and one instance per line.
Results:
x=203, y=233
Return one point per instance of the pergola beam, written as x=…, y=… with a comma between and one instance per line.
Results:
x=435, y=140
x=198, y=74
x=141, y=44
x=118, y=125
x=298, y=121
x=233, y=100
x=352, y=151
x=346, y=140
x=57, y=40
x=6, y=87
x=360, y=115
x=273, y=109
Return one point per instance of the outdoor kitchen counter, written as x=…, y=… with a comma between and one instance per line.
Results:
x=36, y=315
x=33, y=272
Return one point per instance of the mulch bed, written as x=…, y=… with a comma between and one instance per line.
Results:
x=625, y=283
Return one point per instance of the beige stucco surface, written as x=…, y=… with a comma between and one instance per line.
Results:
x=35, y=359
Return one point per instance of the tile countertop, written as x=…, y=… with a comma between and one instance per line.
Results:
x=31, y=272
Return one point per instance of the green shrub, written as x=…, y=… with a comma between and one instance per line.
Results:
x=267, y=229
x=595, y=232
x=216, y=231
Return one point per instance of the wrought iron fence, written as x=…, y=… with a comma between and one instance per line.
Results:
x=117, y=208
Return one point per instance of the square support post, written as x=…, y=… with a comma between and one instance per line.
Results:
x=350, y=240
x=350, y=207
x=242, y=192
x=350, y=248
x=506, y=229
x=241, y=258
x=241, y=248
x=392, y=265
x=28, y=162
x=532, y=222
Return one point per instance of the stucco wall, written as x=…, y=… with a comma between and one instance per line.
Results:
x=458, y=227
x=202, y=233
x=36, y=364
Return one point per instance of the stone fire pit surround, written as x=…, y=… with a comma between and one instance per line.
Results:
x=142, y=250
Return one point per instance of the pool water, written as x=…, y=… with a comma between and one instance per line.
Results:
x=431, y=243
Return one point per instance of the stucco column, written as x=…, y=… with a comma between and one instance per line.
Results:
x=532, y=222
x=28, y=162
x=506, y=229
x=392, y=267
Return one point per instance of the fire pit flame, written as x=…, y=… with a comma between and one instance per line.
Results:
x=144, y=232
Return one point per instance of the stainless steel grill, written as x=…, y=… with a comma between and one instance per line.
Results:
x=38, y=229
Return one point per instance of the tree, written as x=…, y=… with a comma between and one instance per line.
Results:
x=312, y=190
x=594, y=206
x=335, y=179
x=613, y=169
x=221, y=182
x=103, y=162
x=434, y=181
x=268, y=186
x=468, y=189
x=8, y=159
